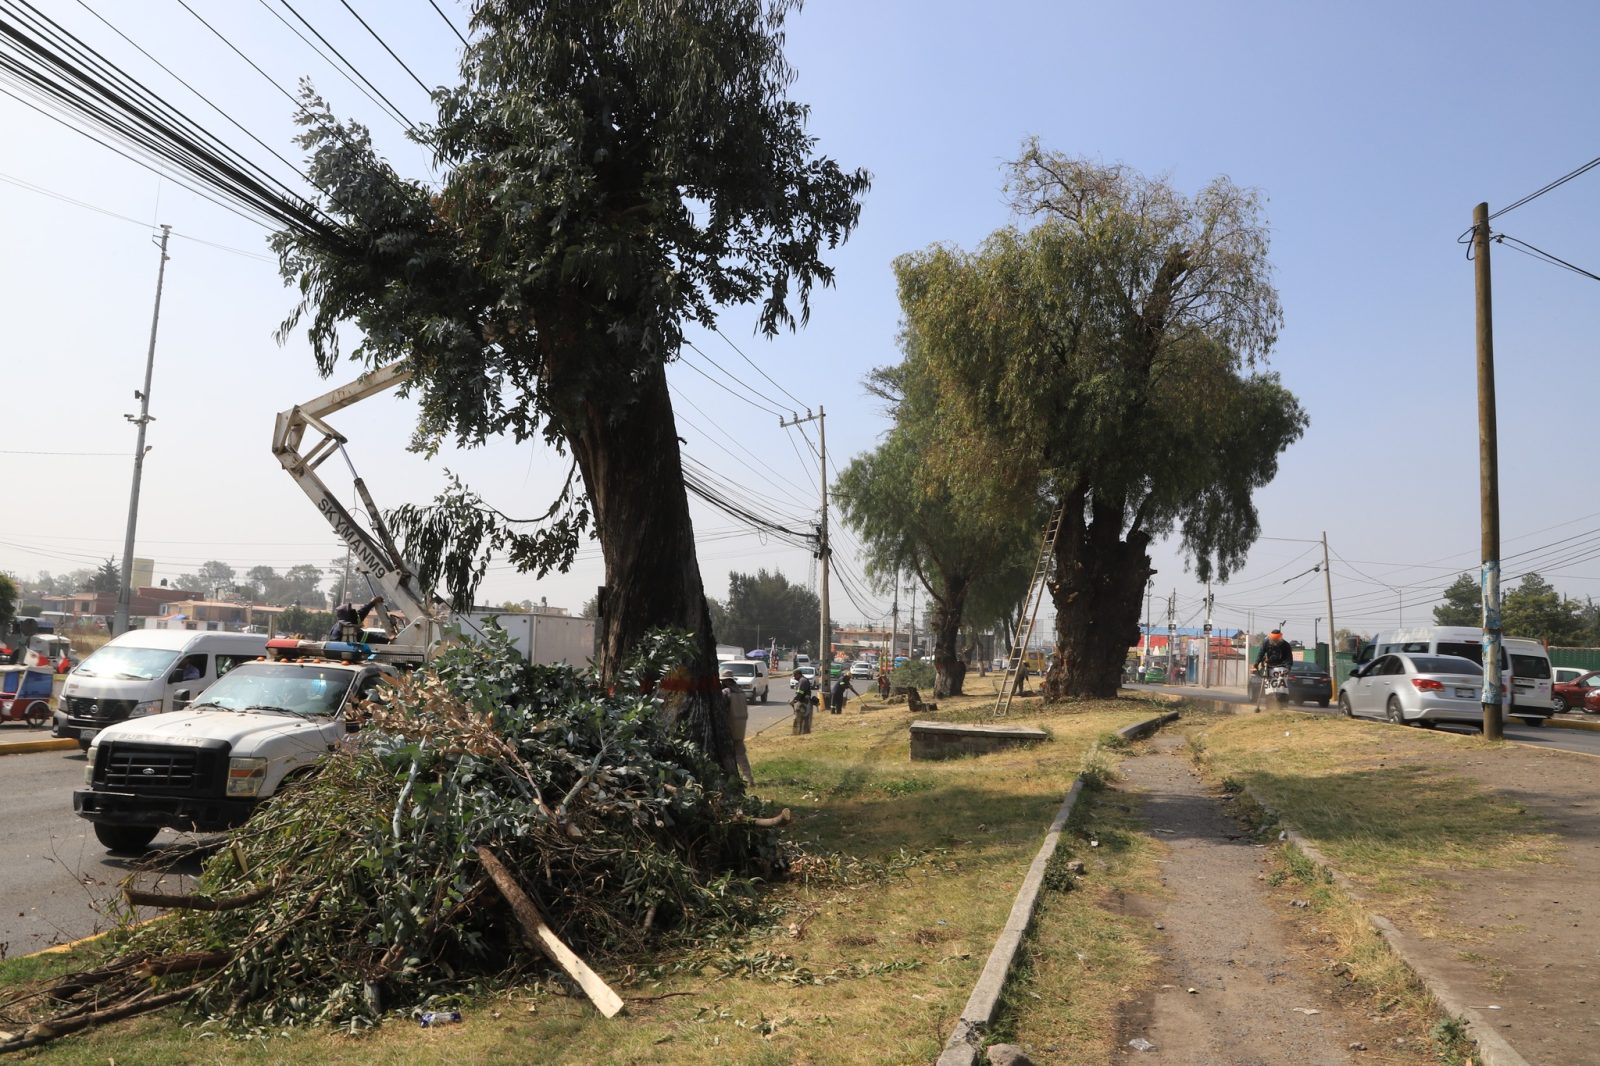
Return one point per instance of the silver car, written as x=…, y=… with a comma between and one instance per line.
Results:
x=1421, y=689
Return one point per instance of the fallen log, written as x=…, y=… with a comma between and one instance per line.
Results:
x=44, y=1032
x=777, y=821
x=185, y=963
x=540, y=933
x=139, y=898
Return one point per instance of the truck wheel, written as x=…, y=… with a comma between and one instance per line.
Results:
x=83, y=745
x=125, y=839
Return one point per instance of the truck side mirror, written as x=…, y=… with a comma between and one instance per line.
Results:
x=181, y=698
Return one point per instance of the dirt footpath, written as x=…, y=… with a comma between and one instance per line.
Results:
x=1237, y=987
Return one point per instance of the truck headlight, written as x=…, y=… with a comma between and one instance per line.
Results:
x=147, y=707
x=245, y=776
x=88, y=765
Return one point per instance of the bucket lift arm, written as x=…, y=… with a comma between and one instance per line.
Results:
x=375, y=552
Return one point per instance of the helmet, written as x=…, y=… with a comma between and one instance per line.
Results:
x=1277, y=632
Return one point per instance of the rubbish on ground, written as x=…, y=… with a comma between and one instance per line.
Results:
x=439, y=1017
x=1194, y=991
x=1139, y=1043
x=1306, y=1010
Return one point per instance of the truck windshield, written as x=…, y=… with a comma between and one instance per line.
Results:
x=283, y=688
x=122, y=660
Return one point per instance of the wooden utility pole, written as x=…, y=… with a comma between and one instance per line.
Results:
x=1327, y=584
x=1489, y=478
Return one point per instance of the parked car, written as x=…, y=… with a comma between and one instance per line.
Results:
x=1309, y=683
x=1571, y=687
x=1526, y=661
x=859, y=669
x=749, y=675
x=1417, y=689
x=807, y=671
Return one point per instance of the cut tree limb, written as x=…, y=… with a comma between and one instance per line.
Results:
x=777, y=821
x=139, y=898
x=539, y=931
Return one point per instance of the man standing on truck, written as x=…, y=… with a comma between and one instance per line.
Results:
x=347, y=619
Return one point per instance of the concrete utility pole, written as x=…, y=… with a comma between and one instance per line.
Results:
x=1488, y=477
x=119, y=624
x=824, y=637
x=1172, y=634
x=1149, y=597
x=1205, y=661
x=911, y=633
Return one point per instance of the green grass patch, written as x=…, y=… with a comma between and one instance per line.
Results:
x=874, y=942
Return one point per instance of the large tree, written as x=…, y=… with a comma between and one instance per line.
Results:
x=765, y=606
x=1462, y=604
x=917, y=512
x=613, y=171
x=1535, y=609
x=1107, y=354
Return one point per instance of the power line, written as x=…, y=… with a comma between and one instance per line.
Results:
x=353, y=68
x=1552, y=186
x=386, y=108
x=386, y=48
x=1543, y=256
x=726, y=388
x=447, y=22
x=729, y=342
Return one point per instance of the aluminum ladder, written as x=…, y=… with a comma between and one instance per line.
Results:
x=1030, y=612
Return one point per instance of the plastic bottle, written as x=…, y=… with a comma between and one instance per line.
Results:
x=440, y=1017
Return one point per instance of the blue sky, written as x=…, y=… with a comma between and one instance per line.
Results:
x=1372, y=130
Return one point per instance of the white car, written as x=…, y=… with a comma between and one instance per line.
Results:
x=804, y=671
x=859, y=669
x=748, y=674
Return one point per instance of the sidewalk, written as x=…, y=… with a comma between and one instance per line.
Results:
x=1512, y=938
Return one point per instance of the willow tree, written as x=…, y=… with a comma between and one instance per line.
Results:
x=613, y=171
x=1108, y=354
x=917, y=512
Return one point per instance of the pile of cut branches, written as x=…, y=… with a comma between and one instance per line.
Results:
x=367, y=889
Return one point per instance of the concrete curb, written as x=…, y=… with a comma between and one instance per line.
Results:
x=967, y=1037
x=21, y=747
x=1573, y=723
x=1493, y=1049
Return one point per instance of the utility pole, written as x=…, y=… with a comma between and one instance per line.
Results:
x=1205, y=661
x=1172, y=635
x=894, y=632
x=1149, y=597
x=1489, y=477
x=1327, y=583
x=824, y=637
x=911, y=635
x=119, y=624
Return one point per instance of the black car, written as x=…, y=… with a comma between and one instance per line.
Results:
x=1308, y=683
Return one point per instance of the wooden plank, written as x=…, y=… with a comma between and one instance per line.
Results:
x=543, y=937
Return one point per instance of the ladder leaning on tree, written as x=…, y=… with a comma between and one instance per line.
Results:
x=1030, y=612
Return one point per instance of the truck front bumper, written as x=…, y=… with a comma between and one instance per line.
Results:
x=198, y=814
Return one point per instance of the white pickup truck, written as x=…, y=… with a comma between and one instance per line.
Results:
x=207, y=767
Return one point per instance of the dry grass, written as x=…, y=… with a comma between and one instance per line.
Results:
x=875, y=947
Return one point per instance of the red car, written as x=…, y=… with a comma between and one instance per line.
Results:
x=1571, y=690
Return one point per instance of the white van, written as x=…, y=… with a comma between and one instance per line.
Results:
x=1528, y=664
x=140, y=673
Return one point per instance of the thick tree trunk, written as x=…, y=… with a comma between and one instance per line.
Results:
x=944, y=622
x=1100, y=579
x=634, y=475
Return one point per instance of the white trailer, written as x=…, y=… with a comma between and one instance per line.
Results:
x=546, y=639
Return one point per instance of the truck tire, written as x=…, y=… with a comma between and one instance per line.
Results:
x=125, y=839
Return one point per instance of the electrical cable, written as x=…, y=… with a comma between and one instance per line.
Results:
x=729, y=342
x=353, y=68
x=724, y=387
x=1543, y=256
x=386, y=48
x=1551, y=187
x=459, y=36
x=387, y=109
x=759, y=401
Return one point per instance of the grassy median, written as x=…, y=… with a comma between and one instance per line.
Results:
x=872, y=946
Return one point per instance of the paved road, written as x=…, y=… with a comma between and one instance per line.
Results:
x=1545, y=736
x=54, y=875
